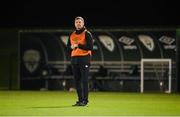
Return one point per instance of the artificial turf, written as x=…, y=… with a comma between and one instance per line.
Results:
x=50, y=103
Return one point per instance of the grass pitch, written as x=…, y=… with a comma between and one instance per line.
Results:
x=50, y=103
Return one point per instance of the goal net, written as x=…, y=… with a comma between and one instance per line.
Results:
x=156, y=75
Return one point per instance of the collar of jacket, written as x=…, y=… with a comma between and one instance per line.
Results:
x=80, y=31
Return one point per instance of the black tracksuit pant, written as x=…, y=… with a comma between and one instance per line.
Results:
x=80, y=72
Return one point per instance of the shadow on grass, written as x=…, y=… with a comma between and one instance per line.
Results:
x=53, y=107
x=69, y=106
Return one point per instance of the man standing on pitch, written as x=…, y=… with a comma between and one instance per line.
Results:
x=80, y=45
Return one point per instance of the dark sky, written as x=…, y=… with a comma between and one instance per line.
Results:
x=50, y=14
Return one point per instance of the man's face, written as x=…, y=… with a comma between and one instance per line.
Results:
x=79, y=24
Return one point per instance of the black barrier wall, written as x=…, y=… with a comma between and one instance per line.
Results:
x=9, y=77
x=177, y=58
x=117, y=50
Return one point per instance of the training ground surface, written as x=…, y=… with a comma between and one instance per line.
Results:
x=50, y=103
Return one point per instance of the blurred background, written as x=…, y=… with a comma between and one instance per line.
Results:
x=34, y=34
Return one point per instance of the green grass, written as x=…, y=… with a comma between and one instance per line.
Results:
x=101, y=103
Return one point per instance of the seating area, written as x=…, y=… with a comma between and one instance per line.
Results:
x=118, y=76
x=116, y=70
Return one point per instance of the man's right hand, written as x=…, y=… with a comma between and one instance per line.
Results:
x=74, y=46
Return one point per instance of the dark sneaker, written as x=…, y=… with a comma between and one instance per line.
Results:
x=80, y=103
x=84, y=103
x=77, y=103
